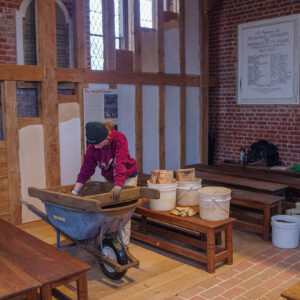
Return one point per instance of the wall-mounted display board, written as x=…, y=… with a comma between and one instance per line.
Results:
x=100, y=105
x=268, y=63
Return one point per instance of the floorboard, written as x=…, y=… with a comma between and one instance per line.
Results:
x=160, y=274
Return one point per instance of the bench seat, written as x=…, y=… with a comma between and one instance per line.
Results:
x=247, y=202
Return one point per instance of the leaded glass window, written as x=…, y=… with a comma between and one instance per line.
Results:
x=96, y=32
x=146, y=13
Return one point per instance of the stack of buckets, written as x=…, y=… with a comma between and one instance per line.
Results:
x=214, y=202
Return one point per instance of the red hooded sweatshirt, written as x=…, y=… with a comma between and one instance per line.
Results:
x=113, y=159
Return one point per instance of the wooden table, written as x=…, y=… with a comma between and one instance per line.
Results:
x=48, y=266
x=292, y=293
x=15, y=282
x=187, y=230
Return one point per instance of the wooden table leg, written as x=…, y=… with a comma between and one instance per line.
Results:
x=210, y=250
x=228, y=244
x=266, y=223
x=46, y=292
x=82, y=292
x=32, y=295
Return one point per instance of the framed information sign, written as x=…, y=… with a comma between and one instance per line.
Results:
x=268, y=63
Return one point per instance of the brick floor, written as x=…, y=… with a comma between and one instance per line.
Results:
x=263, y=277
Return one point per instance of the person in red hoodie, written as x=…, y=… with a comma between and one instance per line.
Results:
x=108, y=149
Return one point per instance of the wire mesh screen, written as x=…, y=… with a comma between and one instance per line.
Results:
x=146, y=15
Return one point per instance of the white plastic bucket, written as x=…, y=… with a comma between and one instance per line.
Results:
x=214, y=203
x=167, y=200
x=187, y=193
x=285, y=231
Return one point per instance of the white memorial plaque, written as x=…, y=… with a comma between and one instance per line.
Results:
x=269, y=61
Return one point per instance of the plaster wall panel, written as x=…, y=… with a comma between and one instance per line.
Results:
x=70, y=142
x=149, y=51
x=150, y=128
x=171, y=47
x=192, y=47
x=192, y=125
x=32, y=166
x=126, y=109
x=172, y=127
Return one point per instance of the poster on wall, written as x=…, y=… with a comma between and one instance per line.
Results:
x=268, y=63
x=100, y=105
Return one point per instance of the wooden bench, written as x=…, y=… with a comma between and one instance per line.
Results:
x=240, y=182
x=291, y=179
x=292, y=293
x=159, y=229
x=267, y=204
x=47, y=265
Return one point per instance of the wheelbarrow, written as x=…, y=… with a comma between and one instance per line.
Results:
x=90, y=215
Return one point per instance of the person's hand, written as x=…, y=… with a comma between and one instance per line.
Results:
x=115, y=193
x=74, y=192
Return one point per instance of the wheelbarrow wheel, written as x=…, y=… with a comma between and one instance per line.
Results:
x=115, y=251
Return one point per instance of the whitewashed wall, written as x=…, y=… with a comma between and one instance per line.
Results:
x=192, y=125
x=150, y=128
x=172, y=127
x=32, y=167
x=126, y=108
x=192, y=47
x=149, y=51
x=171, y=47
x=70, y=142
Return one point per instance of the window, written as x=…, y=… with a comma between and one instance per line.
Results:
x=96, y=32
x=118, y=22
x=96, y=35
x=146, y=13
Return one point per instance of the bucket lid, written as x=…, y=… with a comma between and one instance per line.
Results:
x=214, y=190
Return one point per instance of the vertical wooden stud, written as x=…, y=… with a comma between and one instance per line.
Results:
x=135, y=33
x=46, y=57
x=80, y=55
x=109, y=35
x=182, y=87
x=160, y=34
x=204, y=81
x=162, y=139
x=11, y=135
x=139, y=127
x=182, y=126
x=125, y=40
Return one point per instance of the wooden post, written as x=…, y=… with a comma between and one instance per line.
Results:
x=204, y=81
x=109, y=35
x=162, y=138
x=182, y=87
x=46, y=57
x=139, y=127
x=80, y=57
x=135, y=33
x=11, y=135
x=160, y=34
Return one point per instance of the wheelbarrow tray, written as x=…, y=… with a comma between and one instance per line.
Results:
x=82, y=225
x=81, y=217
x=93, y=197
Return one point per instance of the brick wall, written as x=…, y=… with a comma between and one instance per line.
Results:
x=235, y=125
